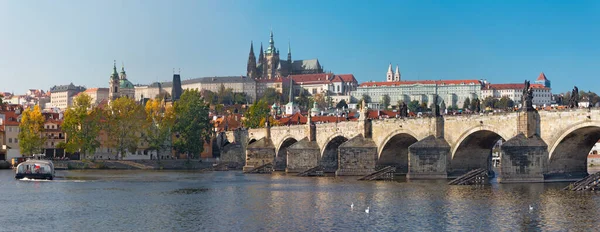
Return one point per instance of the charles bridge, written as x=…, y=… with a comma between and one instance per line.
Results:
x=538, y=146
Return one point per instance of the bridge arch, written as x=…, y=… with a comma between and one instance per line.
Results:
x=473, y=150
x=281, y=152
x=251, y=140
x=568, y=154
x=329, y=152
x=394, y=151
x=389, y=136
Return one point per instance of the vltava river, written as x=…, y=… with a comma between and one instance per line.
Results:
x=231, y=201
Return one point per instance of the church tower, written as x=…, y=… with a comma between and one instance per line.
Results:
x=390, y=73
x=251, y=69
x=397, y=74
x=113, y=92
x=271, y=59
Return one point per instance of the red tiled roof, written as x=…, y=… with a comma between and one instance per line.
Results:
x=296, y=118
x=319, y=78
x=347, y=77
x=542, y=77
x=423, y=82
x=11, y=118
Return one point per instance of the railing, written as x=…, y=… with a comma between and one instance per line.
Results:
x=477, y=176
x=590, y=183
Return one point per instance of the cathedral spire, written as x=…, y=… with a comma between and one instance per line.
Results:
x=271, y=42
x=115, y=74
x=390, y=73
x=397, y=74
x=289, y=52
x=261, y=56
x=251, y=67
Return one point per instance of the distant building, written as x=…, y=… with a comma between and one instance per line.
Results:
x=238, y=84
x=61, y=96
x=451, y=92
x=270, y=66
x=542, y=80
x=97, y=95
x=541, y=95
x=176, y=90
x=119, y=86
x=148, y=91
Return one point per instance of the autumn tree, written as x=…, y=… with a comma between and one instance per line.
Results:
x=31, y=140
x=82, y=126
x=192, y=125
x=270, y=95
x=256, y=113
x=159, y=125
x=124, y=125
x=319, y=98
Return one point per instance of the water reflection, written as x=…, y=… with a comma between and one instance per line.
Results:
x=232, y=201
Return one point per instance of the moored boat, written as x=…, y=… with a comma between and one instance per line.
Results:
x=35, y=169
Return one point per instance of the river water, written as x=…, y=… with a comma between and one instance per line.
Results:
x=107, y=200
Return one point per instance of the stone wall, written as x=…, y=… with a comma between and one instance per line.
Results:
x=259, y=153
x=523, y=159
x=234, y=153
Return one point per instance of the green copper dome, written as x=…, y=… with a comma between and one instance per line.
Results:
x=125, y=84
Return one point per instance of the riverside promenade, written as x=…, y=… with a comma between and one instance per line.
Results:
x=181, y=164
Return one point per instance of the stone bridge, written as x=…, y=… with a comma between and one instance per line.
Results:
x=538, y=146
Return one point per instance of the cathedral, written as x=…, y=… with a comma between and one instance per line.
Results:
x=119, y=85
x=270, y=66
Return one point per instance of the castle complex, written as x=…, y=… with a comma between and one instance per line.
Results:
x=270, y=66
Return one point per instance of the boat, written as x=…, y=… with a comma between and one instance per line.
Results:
x=35, y=169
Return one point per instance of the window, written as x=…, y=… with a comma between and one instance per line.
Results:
x=16, y=140
x=10, y=140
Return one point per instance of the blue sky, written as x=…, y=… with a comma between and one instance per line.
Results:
x=44, y=43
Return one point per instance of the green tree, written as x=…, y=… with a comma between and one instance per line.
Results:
x=256, y=113
x=473, y=104
x=31, y=140
x=159, y=125
x=466, y=103
x=423, y=106
x=271, y=96
x=224, y=95
x=414, y=106
x=82, y=126
x=385, y=101
x=342, y=105
x=210, y=97
x=125, y=121
x=192, y=125
x=303, y=100
x=240, y=98
x=489, y=101
x=329, y=100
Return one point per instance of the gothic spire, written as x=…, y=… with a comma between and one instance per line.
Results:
x=271, y=42
x=289, y=52
x=397, y=74
x=261, y=56
x=251, y=48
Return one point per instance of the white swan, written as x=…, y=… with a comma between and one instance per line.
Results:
x=352, y=205
x=530, y=207
x=367, y=210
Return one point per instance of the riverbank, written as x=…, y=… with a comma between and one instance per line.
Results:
x=134, y=164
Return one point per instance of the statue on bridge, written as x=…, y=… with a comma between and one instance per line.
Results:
x=527, y=98
x=403, y=110
x=574, y=100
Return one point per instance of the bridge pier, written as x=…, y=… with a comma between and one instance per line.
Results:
x=427, y=159
x=302, y=155
x=259, y=153
x=357, y=157
x=523, y=159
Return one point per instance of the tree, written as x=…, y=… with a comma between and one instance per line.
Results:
x=365, y=98
x=466, y=103
x=160, y=119
x=124, y=125
x=385, y=101
x=473, y=105
x=31, y=140
x=342, y=105
x=225, y=95
x=240, y=98
x=192, y=125
x=271, y=96
x=303, y=100
x=399, y=104
x=82, y=126
x=329, y=100
x=490, y=102
x=209, y=97
x=256, y=113
x=423, y=106
x=319, y=98
x=414, y=106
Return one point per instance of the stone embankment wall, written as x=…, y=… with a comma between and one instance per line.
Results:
x=134, y=164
